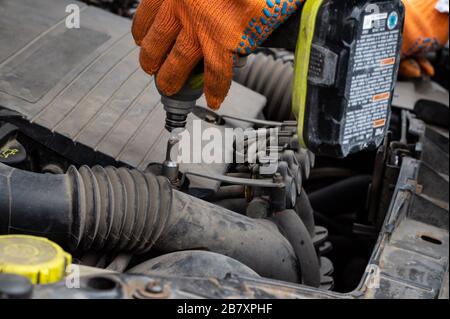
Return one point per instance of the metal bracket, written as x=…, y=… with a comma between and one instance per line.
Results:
x=263, y=183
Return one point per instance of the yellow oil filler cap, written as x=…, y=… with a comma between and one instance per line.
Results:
x=39, y=259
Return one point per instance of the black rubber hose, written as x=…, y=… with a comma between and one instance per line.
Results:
x=292, y=227
x=200, y=225
x=272, y=78
x=122, y=210
x=120, y=262
x=341, y=197
x=306, y=213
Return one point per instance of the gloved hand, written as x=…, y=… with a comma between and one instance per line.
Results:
x=144, y=18
x=426, y=30
x=416, y=67
x=185, y=31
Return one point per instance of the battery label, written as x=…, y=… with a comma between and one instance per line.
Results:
x=374, y=19
x=372, y=77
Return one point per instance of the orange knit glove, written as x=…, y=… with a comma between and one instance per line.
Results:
x=185, y=31
x=144, y=17
x=426, y=30
x=416, y=67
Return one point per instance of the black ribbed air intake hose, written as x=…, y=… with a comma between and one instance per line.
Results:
x=109, y=209
x=273, y=78
x=124, y=210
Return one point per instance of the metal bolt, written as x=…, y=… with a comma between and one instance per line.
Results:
x=210, y=118
x=154, y=287
x=277, y=178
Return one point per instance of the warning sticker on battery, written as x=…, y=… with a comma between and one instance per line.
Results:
x=372, y=76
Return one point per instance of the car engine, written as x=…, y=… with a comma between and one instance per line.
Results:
x=83, y=162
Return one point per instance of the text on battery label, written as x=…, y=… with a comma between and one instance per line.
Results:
x=375, y=59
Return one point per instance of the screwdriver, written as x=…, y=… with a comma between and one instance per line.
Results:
x=180, y=105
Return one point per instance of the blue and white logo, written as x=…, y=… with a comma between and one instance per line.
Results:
x=392, y=20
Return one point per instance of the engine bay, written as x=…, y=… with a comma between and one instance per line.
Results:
x=83, y=159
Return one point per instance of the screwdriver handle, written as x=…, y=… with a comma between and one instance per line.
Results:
x=180, y=105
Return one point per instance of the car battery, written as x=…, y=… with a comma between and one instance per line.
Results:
x=346, y=66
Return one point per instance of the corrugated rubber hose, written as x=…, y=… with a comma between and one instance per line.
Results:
x=123, y=210
x=272, y=78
